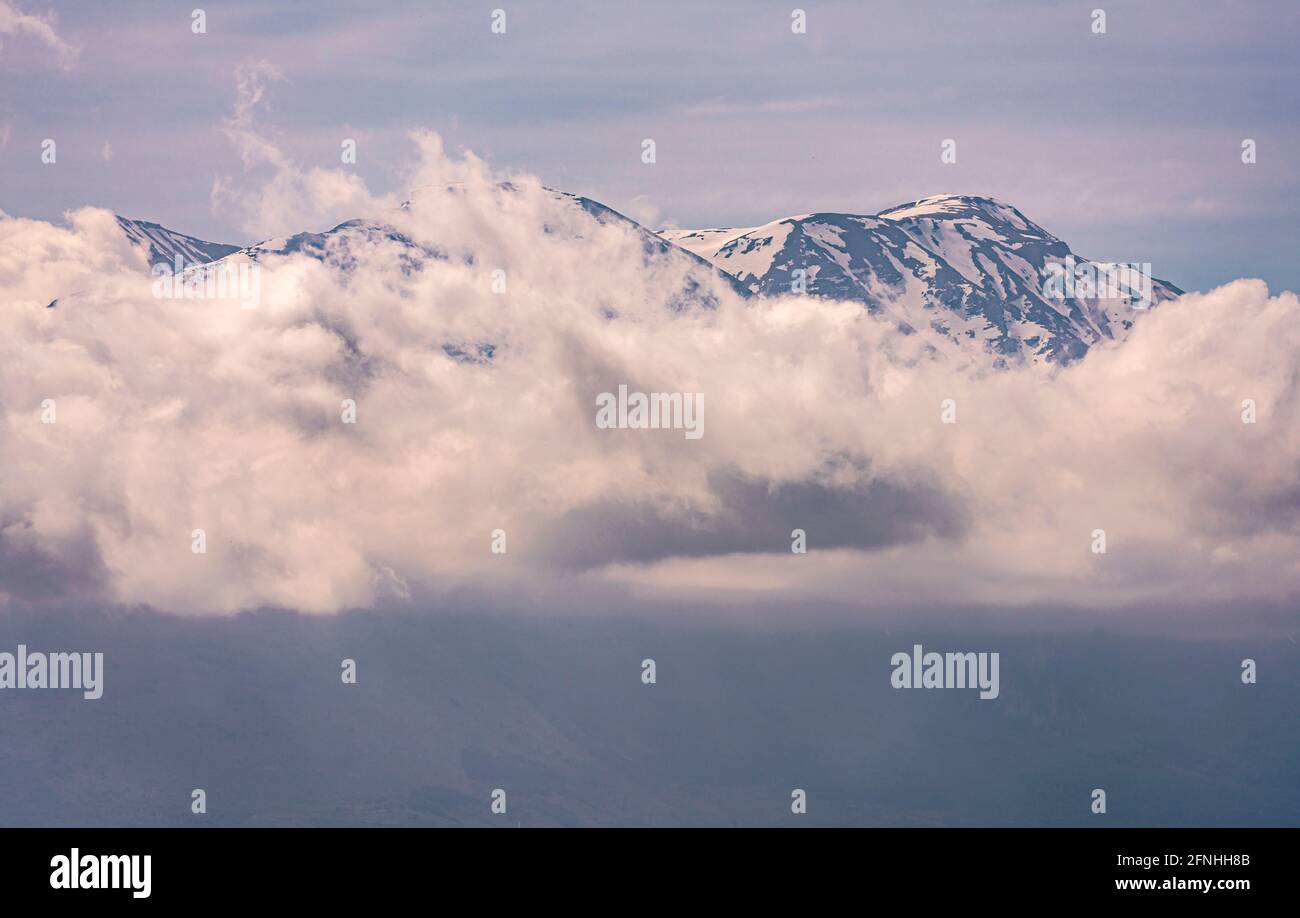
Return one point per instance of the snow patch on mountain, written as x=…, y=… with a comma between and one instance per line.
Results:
x=165, y=246
x=969, y=268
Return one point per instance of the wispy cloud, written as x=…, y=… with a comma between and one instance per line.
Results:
x=296, y=196
x=44, y=29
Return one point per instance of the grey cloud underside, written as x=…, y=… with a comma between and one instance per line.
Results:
x=756, y=516
x=1241, y=507
x=33, y=571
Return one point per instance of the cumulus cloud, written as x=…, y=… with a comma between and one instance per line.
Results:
x=476, y=406
x=1144, y=440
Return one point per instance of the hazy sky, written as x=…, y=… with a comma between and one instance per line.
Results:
x=1126, y=144
x=449, y=706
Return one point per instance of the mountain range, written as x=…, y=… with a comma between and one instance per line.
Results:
x=969, y=271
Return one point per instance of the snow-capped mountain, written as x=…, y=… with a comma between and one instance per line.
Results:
x=334, y=245
x=165, y=245
x=338, y=247
x=970, y=269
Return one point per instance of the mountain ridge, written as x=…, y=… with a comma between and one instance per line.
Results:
x=165, y=245
x=970, y=269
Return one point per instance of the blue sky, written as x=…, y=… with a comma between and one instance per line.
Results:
x=1127, y=144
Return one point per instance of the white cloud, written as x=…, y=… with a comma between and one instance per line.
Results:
x=176, y=415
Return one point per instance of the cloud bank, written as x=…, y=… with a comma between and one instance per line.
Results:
x=475, y=412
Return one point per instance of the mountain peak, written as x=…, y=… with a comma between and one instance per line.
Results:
x=947, y=203
x=964, y=206
x=968, y=267
x=165, y=246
